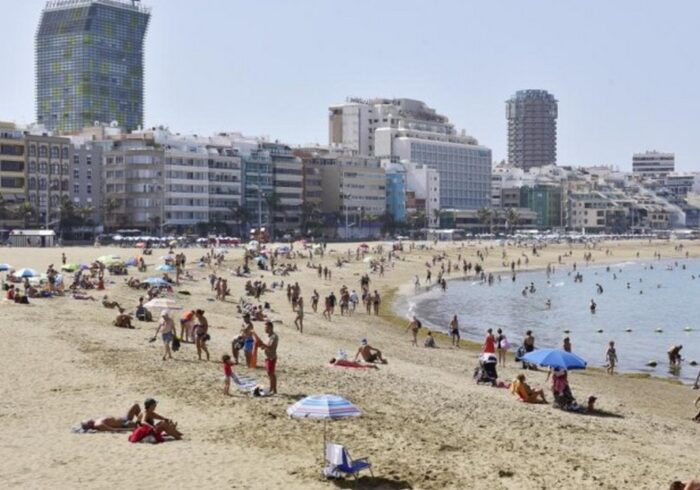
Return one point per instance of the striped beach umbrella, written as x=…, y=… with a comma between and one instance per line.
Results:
x=323, y=407
x=330, y=407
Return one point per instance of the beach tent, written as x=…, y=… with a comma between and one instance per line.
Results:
x=5, y=267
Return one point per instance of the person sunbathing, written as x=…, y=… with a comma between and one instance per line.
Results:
x=369, y=353
x=83, y=296
x=526, y=392
x=114, y=424
x=350, y=364
x=110, y=304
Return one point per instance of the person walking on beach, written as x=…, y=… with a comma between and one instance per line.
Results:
x=201, y=334
x=454, y=331
x=270, y=349
x=414, y=327
x=502, y=346
x=376, y=301
x=611, y=357
x=166, y=327
x=299, y=321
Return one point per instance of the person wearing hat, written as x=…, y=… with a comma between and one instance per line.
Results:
x=369, y=353
x=166, y=327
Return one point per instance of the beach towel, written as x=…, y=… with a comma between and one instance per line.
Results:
x=340, y=363
x=146, y=433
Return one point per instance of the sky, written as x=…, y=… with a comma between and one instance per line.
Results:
x=626, y=72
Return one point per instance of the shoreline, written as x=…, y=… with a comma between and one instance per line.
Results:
x=407, y=291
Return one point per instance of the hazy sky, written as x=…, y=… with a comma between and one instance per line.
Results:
x=626, y=72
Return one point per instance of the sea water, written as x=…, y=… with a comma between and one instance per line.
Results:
x=656, y=300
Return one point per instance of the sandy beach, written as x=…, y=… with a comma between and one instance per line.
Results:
x=425, y=423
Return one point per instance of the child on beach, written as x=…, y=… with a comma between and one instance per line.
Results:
x=228, y=372
x=611, y=356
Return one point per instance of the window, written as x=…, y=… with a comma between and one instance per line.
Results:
x=88, y=189
x=32, y=150
x=76, y=173
x=54, y=152
x=89, y=174
x=43, y=151
x=76, y=188
x=76, y=160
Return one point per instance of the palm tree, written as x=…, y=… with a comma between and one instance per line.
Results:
x=26, y=211
x=108, y=207
x=485, y=216
x=240, y=215
x=272, y=200
x=436, y=216
x=512, y=219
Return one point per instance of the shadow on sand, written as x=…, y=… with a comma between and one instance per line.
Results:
x=377, y=482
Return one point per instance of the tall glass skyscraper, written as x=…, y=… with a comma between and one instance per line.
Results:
x=89, y=63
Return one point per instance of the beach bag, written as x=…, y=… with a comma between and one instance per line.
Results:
x=520, y=353
x=504, y=344
x=175, y=344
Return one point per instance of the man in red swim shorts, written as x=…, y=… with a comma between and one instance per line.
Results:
x=270, y=348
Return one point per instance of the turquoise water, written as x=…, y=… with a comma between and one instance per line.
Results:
x=660, y=295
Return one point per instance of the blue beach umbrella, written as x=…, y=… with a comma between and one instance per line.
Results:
x=165, y=268
x=26, y=273
x=555, y=358
x=5, y=267
x=323, y=407
x=156, y=281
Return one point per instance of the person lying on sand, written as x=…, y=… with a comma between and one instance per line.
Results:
x=351, y=364
x=113, y=424
x=369, y=353
x=110, y=304
x=525, y=392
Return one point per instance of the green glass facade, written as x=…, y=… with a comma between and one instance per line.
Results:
x=89, y=63
x=545, y=200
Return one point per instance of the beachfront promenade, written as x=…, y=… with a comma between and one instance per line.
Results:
x=425, y=423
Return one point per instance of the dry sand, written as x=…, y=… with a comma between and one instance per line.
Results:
x=426, y=424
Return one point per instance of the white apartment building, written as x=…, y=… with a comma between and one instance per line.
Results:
x=424, y=183
x=408, y=129
x=653, y=165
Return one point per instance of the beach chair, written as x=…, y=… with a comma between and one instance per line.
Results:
x=339, y=462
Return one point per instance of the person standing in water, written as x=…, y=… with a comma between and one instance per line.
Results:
x=567, y=344
x=454, y=331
